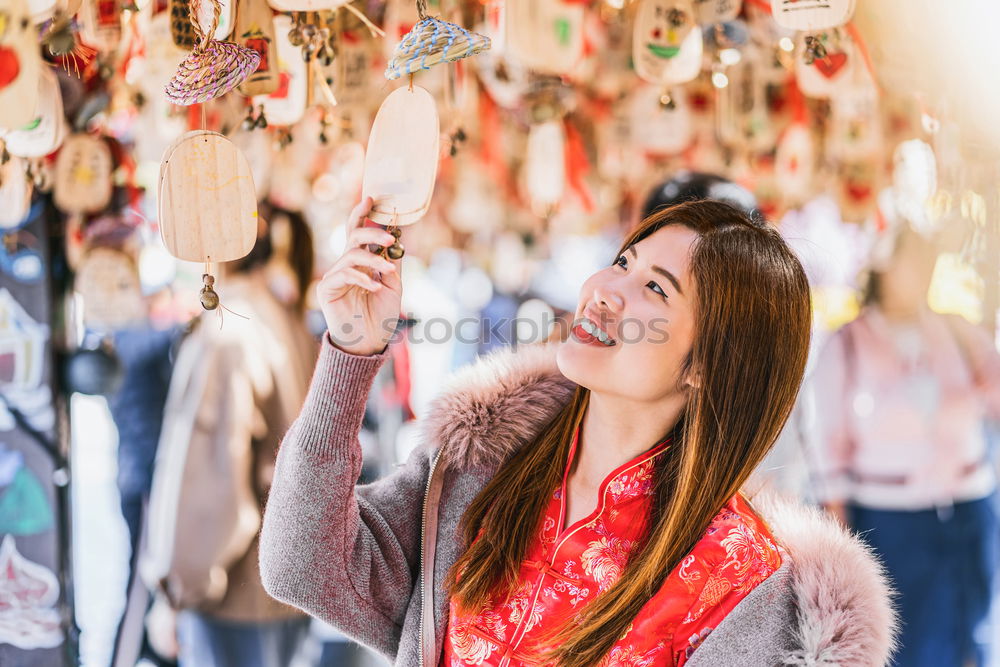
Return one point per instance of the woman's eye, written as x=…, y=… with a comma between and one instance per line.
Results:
x=621, y=261
x=656, y=288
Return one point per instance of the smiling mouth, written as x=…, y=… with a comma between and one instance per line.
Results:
x=586, y=331
x=665, y=52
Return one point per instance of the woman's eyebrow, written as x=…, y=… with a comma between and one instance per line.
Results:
x=662, y=271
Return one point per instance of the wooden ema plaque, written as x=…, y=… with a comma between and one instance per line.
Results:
x=83, y=175
x=287, y=103
x=20, y=64
x=545, y=35
x=207, y=204
x=666, y=43
x=255, y=30
x=402, y=158
x=46, y=131
x=809, y=15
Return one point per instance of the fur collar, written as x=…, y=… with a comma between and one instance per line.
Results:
x=844, y=614
x=492, y=407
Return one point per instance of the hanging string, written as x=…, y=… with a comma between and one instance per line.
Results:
x=422, y=9
x=372, y=28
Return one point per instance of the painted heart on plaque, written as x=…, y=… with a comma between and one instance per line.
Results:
x=10, y=66
x=831, y=64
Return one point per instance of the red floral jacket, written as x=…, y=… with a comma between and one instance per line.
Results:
x=567, y=567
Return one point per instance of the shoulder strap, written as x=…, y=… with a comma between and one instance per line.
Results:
x=428, y=538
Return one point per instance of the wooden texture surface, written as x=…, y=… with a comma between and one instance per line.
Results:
x=402, y=158
x=207, y=204
x=255, y=30
x=83, y=174
x=546, y=36
x=19, y=95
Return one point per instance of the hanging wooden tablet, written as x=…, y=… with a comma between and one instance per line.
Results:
x=15, y=193
x=825, y=63
x=667, y=45
x=855, y=128
x=255, y=30
x=661, y=122
x=287, y=103
x=351, y=69
x=709, y=12
x=83, y=174
x=809, y=15
x=207, y=207
x=795, y=164
x=101, y=23
x=108, y=281
x=44, y=133
x=857, y=187
x=545, y=35
x=213, y=68
x=545, y=166
x=402, y=158
x=19, y=66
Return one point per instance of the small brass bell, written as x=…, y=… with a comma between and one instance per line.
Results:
x=395, y=251
x=209, y=299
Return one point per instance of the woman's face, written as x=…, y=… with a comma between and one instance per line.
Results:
x=644, y=302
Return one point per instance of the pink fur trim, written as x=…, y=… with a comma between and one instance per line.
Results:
x=492, y=407
x=842, y=594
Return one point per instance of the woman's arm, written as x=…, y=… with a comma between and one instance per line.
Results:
x=346, y=555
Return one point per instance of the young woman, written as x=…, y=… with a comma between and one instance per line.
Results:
x=578, y=504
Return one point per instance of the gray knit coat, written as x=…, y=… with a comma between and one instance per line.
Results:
x=351, y=555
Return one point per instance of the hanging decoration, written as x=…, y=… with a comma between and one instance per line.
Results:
x=432, y=41
x=709, y=12
x=206, y=203
x=666, y=43
x=83, y=174
x=46, y=131
x=255, y=30
x=402, y=159
x=287, y=103
x=812, y=15
x=214, y=67
x=20, y=65
x=544, y=35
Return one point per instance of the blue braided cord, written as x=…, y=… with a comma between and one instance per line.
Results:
x=421, y=50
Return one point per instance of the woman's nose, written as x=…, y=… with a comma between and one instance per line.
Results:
x=606, y=297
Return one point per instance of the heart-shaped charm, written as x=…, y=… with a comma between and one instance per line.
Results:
x=10, y=67
x=831, y=64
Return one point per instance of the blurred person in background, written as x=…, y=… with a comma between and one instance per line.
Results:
x=902, y=455
x=234, y=392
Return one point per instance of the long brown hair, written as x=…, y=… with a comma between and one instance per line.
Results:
x=752, y=314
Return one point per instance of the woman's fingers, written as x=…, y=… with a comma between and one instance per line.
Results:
x=362, y=236
x=359, y=212
x=360, y=257
x=343, y=278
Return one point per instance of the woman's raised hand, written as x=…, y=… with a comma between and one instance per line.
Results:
x=361, y=294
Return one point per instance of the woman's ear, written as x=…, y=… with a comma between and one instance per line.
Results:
x=693, y=379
